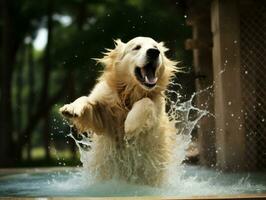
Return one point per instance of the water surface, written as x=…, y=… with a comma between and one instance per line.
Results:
x=188, y=181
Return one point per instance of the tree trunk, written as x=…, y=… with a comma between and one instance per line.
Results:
x=6, y=143
x=31, y=96
x=46, y=79
x=18, y=102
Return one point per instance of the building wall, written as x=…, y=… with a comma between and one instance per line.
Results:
x=201, y=44
x=237, y=69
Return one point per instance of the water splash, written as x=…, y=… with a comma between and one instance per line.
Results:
x=184, y=115
x=84, y=143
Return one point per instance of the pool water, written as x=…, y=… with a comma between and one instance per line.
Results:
x=75, y=182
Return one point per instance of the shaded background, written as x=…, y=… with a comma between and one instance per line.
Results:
x=46, y=49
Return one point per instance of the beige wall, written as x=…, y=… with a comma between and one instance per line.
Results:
x=230, y=140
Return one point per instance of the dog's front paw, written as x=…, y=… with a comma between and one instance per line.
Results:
x=140, y=118
x=75, y=109
x=131, y=130
x=71, y=110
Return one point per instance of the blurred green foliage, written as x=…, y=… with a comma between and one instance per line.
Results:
x=80, y=30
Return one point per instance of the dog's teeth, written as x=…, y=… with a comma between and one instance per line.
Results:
x=142, y=73
x=146, y=79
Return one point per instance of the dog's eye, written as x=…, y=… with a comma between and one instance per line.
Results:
x=137, y=47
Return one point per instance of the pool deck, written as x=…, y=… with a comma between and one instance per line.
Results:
x=35, y=169
x=246, y=197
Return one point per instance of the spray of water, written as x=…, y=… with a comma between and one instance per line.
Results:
x=184, y=115
x=183, y=180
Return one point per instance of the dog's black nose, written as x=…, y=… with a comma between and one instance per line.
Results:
x=153, y=53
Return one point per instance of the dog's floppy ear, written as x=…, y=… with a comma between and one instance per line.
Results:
x=111, y=56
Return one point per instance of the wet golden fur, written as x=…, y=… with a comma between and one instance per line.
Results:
x=133, y=135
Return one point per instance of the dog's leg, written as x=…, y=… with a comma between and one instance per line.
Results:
x=83, y=114
x=76, y=108
x=141, y=117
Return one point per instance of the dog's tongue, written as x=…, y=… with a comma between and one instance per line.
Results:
x=149, y=75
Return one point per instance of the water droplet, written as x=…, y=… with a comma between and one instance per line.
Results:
x=246, y=72
x=229, y=103
x=225, y=62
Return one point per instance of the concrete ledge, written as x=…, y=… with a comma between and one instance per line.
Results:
x=36, y=170
x=244, y=196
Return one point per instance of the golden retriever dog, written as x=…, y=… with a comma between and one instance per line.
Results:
x=133, y=137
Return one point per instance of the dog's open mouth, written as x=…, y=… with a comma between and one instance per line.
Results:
x=146, y=75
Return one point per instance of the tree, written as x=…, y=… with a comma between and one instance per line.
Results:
x=9, y=48
x=64, y=70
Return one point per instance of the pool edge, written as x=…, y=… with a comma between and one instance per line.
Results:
x=224, y=197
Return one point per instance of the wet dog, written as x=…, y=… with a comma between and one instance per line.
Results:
x=126, y=111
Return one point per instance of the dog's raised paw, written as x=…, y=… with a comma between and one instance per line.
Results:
x=70, y=111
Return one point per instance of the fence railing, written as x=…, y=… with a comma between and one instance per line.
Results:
x=253, y=81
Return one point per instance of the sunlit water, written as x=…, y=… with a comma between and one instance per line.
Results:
x=192, y=181
x=183, y=180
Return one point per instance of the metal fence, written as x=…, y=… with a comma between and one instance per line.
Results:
x=253, y=81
